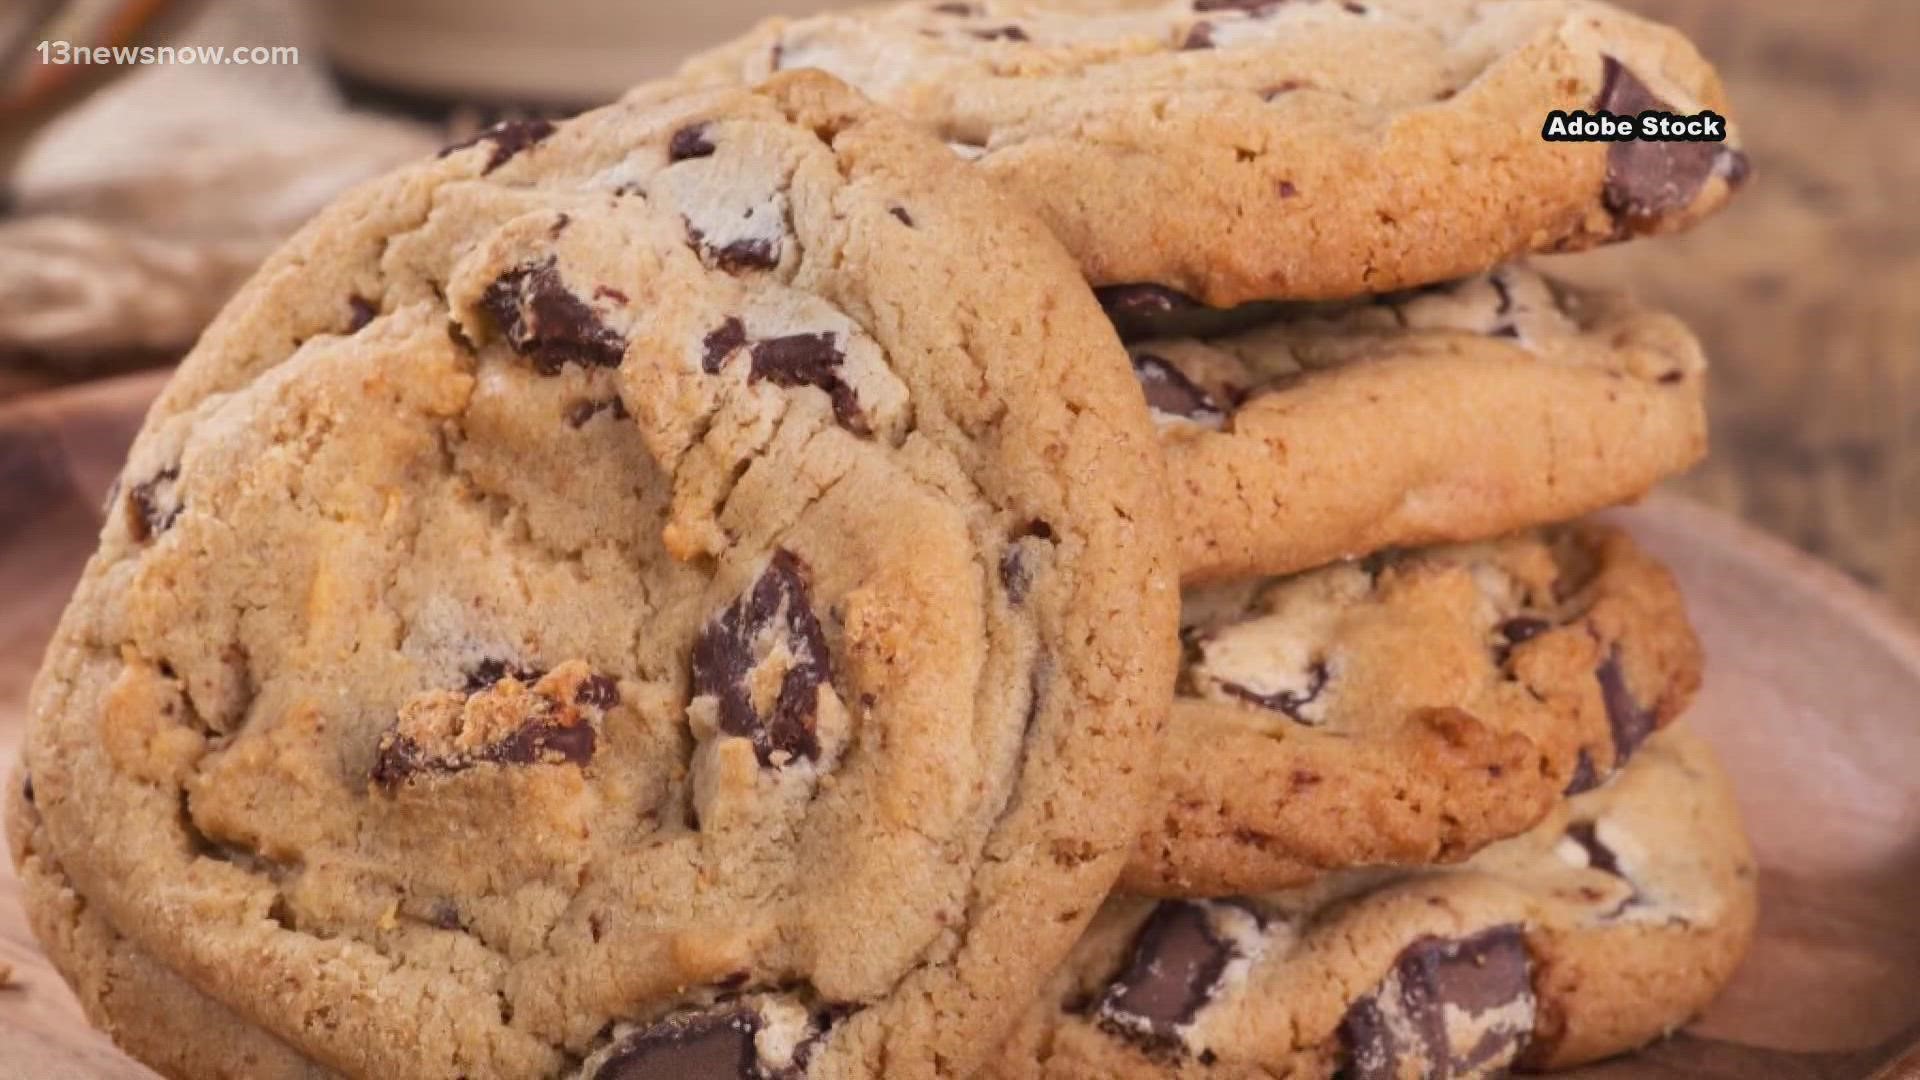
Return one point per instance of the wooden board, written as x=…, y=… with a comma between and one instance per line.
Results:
x=1813, y=697
x=1806, y=291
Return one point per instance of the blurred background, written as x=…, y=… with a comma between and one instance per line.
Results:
x=136, y=198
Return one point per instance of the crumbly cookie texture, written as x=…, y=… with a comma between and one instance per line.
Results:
x=1300, y=434
x=148, y=1008
x=1408, y=708
x=1612, y=923
x=685, y=584
x=1608, y=925
x=1239, y=150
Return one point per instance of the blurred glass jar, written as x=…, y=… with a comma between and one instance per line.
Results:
x=552, y=54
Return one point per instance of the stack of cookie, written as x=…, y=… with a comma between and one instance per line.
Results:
x=1418, y=816
x=697, y=590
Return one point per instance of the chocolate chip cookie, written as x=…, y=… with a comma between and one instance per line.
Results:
x=1238, y=150
x=149, y=1009
x=1298, y=434
x=686, y=585
x=1408, y=708
x=1610, y=924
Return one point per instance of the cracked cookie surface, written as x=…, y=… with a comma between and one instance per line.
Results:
x=1299, y=434
x=682, y=585
x=1240, y=150
x=1607, y=925
x=1613, y=922
x=149, y=1009
x=1407, y=708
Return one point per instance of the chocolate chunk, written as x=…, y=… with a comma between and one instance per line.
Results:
x=900, y=212
x=508, y=138
x=1646, y=180
x=1199, y=36
x=544, y=741
x=544, y=321
x=1599, y=855
x=1002, y=33
x=810, y=360
x=1353, y=8
x=584, y=410
x=1286, y=701
x=777, y=611
x=716, y=1045
x=1287, y=189
x=539, y=727
x=1252, y=7
x=1631, y=723
x=1137, y=309
x=1603, y=858
x=1171, y=392
x=689, y=142
x=798, y=359
x=721, y=343
x=1171, y=974
x=539, y=741
x=1442, y=994
x=490, y=671
x=151, y=506
x=1585, y=777
x=747, y=253
x=597, y=691
x=360, y=312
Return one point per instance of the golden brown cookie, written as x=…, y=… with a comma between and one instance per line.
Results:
x=1612, y=923
x=148, y=1009
x=1408, y=708
x=1239, y=150
x=1300, y=434
x=685, y=583
x=1609, y=924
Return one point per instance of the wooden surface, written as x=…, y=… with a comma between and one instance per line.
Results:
x=1813, y=698
x=1807, y=290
